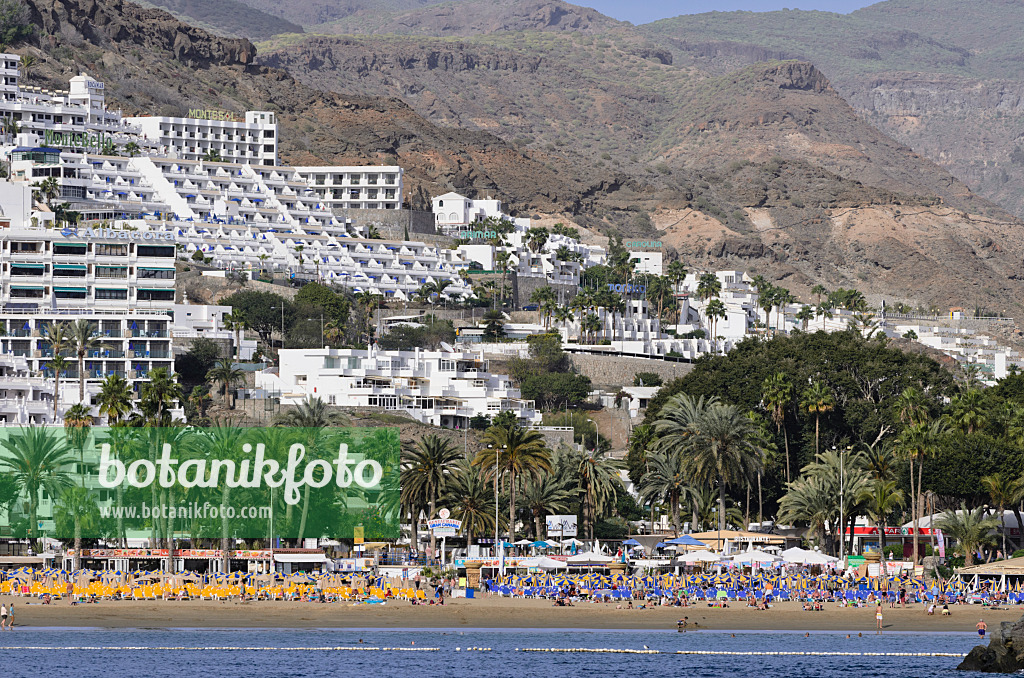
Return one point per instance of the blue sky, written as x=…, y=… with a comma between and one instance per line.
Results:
x=643, y=11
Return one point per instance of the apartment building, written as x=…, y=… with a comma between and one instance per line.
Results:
x=443, y=388
x=206, y=133
x=351, y=187
x=121, y=281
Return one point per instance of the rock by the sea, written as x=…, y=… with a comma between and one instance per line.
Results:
x=1004, y=654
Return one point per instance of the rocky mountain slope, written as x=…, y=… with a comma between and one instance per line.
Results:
x=154, y=64
x=230, y=18
x=765, y=168
x=943, y=77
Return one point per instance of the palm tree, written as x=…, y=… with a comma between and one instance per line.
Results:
x=714, y=311
x=114, y=399
x=817, y=400
x=665, y=480
x=724, y=450
x=159, y=394
x=881, y=498
x=35, y=459
x=236, y=322
x=1003, y=491
x=765, y=301
x=132, y=149
x=777, y=396
x=544, y=496
x=599, y=485
x=77, y=422
x=917, y=442
x=27, y=62
x=227, y=375
x=967, y=411
x=84, y=339
x=591, y=325
x=76, y=505
x=708, y=286
x=515, y=451
x=805, y=315
x=819, y=291
x=47, y=191
x=57, y=337
x=911, y=406
x=970, y=528
x=429, y=463
x=825, y=311
x=470, y=499
x=783, y=299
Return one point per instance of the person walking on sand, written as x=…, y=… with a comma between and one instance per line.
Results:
x=982, y=627
x=878, y=619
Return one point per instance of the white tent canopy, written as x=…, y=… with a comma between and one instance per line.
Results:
x=803, y=557
x=754, y=556
x=542, y=562
x=699, y=557
x=591, y=558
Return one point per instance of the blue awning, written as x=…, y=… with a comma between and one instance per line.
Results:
x=70, y=289
x=26, y=287
x=72, y=267
x=20, y=265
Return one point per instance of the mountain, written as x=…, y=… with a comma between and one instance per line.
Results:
x=475, y=17
x=943, y=77
x=227, y=17
x=310, y=13
x=154, y=64
x=764, y=168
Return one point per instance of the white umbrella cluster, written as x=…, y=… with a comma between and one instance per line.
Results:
x=699, y=557
x=801, y=556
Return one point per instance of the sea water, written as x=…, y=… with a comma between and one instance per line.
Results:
x=197, y=653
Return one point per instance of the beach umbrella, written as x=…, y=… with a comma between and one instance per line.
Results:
x=686, y=540
x=541, y=544
x=523, y=542
x=631, y=542
x=754, y=556
x=590, y=558
x=699, y=557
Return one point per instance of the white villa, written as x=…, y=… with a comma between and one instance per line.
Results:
x=443, y=388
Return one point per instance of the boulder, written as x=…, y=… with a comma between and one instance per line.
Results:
x=1004, y=654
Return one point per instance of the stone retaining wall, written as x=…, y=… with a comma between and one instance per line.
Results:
x=618, y=371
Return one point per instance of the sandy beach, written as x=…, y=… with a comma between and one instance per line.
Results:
x=487, y=613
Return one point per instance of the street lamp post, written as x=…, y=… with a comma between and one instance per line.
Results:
x=274, y=308
x=322, y=342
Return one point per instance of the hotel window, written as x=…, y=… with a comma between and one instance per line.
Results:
x=112, y=250
x=447, y=365
x=111, y=294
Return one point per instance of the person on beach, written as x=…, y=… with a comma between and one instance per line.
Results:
x=982, y=627
x=10, y=618
x=878, y=619
x=3, y=617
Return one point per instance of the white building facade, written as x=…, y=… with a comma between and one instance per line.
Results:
x=434, y=387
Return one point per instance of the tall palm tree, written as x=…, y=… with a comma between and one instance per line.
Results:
x=158, y=396
x=805, y=315
x=236, y=322
x=708, y=286
x=713, y=312
x=515, y=451
x=1003, y=491
x=312, y=415
x=967, y=411
x=970, y=528
x=77, y=422
x=429, y=462
x=470, y=499
x=911, y=406
x=544, y=496
x=918, y=442
x=724, y=450
x=881, y=498
x=36, y=459
x=825, y=312
x=58, y=338
x=765, y=300
x=817, y=399
x=665, y=480
x=76, y=505
x=777, y=396
x=84, y=338
x=227, y=375
x=819, y=291
x=114, y=399
x=599, y=485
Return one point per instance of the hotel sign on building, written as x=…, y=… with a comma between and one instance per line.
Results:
x=211, y=114
x=116, y=234
x=101, y=143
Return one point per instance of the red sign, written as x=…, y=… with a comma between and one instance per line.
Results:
x=889, y=531
x=180, y=553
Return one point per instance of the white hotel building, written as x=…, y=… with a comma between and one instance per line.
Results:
x=253, y=140
x=442, y=388
x=345, y=188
